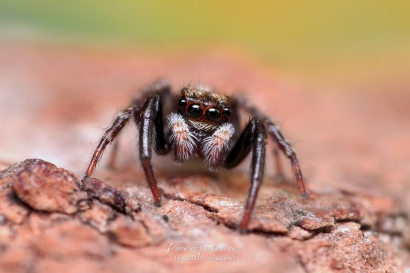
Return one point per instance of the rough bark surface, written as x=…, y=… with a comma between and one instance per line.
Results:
x=48, y=216
x=356, y=219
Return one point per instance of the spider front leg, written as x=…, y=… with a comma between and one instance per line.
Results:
x=253, y=138
x=149, y=119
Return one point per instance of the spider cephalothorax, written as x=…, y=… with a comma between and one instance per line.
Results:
x=202, y=123
x=201, y=126
x=204, y=106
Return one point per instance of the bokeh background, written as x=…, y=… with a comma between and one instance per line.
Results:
x=334, y=74
x=321, y=45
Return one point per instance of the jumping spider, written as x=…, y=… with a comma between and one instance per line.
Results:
x=203, y=123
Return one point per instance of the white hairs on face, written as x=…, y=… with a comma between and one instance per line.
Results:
x=183, y=141
x=214, y=147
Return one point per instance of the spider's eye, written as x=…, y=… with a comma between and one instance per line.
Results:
x=195, y=110
x=227, y=112
x=182, y=102
x=212, y=114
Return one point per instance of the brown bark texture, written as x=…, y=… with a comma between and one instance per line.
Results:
x=353, y=148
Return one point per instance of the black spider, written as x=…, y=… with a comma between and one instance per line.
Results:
x=203, y=123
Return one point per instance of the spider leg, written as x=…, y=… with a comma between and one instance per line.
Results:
x=149, y=119
x=109, y=135
x=252, y=138
x=274, y=132
x=113, y=155
x=278, y=163
x=235, y=121
x=287, y=149
x=160, y=86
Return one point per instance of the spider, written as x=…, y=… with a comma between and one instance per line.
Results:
x=202, y=123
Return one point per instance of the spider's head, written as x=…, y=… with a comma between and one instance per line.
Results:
x=204, y=108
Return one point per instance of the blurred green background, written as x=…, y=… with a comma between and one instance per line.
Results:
x=317, y=43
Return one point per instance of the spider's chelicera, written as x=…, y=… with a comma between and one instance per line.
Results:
x=202, y=123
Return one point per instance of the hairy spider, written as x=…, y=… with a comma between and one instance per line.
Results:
x=202, y=123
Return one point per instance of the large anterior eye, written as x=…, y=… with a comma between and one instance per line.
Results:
x=195, y=110
x=212, y=114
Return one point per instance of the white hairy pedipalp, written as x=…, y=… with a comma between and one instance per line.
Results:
x=183, y=141
x=214, y=147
